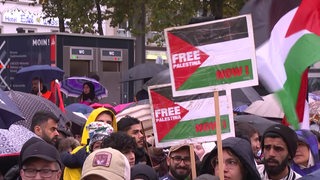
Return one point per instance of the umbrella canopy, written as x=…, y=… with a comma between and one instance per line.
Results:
x=73, y=87
x=45, y=72
x=12, y=139
x=9, y=111
x=29, y=104
x=142, y=71
x=260, y=123
x=78, y=107
x=268, y=107
x=241, y=96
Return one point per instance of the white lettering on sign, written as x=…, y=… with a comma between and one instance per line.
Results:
x=40, y=42
x=81, y=51
x=167, y=114
x=187, y=59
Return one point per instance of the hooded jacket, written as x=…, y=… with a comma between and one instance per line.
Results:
x=310, y=139
x=239, y=147
x=92, y=117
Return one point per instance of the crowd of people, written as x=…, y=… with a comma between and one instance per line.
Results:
x=110, y=150
x=119, y=149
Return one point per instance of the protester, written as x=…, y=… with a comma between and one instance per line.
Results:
x=45, y=125
x=104, y=164
x=143, y=172
x=246, y=131
x=132, y=127
x=279, y=145
x=141, y=95
x=100, y=115
x=123, y=143
x=88, y=95
x=74, y=160
x=39, y=159
x=306, y=159
x=238, y=160
x=41, y=90
x=179, y=163
x=158, y=158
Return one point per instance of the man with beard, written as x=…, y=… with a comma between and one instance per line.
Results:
x=45, y=125
x=133, y=128
x=279, y=145
x=179, y=163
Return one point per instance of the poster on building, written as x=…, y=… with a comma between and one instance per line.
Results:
x=188, y=119
x=212, y=56
x=20, y=51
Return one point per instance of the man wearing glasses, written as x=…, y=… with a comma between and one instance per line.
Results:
x=179, y=163
x=39, y=160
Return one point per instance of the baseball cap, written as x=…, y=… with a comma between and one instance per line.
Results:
x=108, y=163
x=176, y=148
x=39, y=149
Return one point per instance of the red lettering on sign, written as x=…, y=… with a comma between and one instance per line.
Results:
x=229, y=72
x=209, y=126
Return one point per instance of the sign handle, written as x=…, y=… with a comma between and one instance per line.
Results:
x=193, y=162
x=218, y=133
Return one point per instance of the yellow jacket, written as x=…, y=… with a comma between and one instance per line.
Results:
x=92, y=117
x=72, y=173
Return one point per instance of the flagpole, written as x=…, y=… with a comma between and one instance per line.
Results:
x=218, y=133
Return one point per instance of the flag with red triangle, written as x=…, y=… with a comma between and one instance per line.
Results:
x=188, y=119
x=283, y=61
x=213, y=55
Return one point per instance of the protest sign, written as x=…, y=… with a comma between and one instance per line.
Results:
x=212, y=56
x=188, y=119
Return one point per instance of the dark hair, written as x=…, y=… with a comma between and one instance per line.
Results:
x=245, y=130
x=142, y=94
x=126, y=122
x=119, y=141
x=37, y=79
x=42, y=117
x=91, y=95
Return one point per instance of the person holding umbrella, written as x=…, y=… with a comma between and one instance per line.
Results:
x=88, y=95
x=41, y=90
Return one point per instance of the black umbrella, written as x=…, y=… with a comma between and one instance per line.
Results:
x=260, y=123
x=142, y=71
x=241, y=96
x=9, y=111
x=29, y=104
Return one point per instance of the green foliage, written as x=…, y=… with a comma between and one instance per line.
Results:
x=143, y=15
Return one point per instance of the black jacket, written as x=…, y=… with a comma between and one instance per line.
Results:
x=242, y=149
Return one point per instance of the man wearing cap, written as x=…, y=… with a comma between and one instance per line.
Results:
x=45, y=125
x=104, y=164
x=279, y=145
x=179, y=163
x=39, y=160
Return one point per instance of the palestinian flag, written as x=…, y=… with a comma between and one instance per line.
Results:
x=188, y=117
x=283, y=61
x=212, y=56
